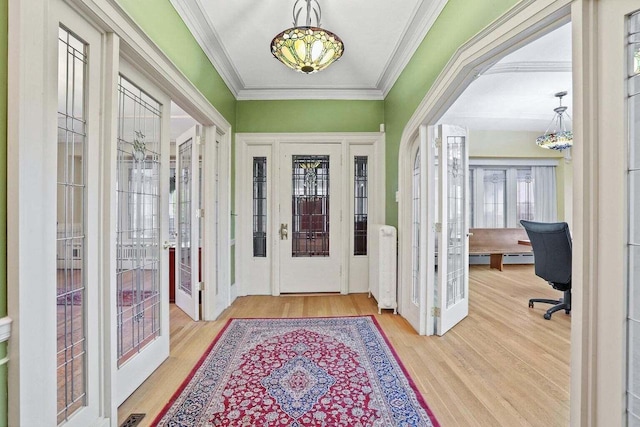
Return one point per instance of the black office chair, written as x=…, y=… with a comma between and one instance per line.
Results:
x=551, y=244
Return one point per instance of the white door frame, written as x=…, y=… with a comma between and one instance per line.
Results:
x=31, y=92
x=249, y=145
x=598, y=338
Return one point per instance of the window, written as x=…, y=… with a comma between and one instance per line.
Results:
x=360, y=205
x=260, y=207
x=500, y=196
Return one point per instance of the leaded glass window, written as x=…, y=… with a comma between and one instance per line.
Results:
x=260, y=207
x=360, y=204
x=71, y=304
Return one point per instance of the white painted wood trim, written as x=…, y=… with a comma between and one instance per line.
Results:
x=521, y=24
x=502, y=162
x=245, y=140
x=194, y=17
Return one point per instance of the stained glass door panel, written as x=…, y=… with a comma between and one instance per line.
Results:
x=310, y=218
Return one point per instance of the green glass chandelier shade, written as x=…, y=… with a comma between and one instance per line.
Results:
x=307, y=49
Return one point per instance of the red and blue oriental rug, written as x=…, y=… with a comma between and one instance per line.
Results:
x=338, y=371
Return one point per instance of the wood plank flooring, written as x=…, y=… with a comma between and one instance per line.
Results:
x=504, y=365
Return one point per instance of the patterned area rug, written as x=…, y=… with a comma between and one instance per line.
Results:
x=338, y=371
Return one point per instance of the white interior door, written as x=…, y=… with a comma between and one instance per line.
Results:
x=187, y=281
x=142, y=225
x=453, y=237
x=414, y=302
x=308, y=232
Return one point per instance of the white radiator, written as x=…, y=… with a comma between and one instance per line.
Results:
x=382, y=266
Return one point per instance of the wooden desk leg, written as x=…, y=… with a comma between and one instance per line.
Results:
x=495, y=261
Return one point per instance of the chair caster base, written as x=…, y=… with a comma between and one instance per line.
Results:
x=530, y=304
x=547, y=316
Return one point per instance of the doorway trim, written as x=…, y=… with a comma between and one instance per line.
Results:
x=526, y=21
x=32, y=391
x=249, y=268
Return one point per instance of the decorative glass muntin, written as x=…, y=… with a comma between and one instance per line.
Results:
x=71, y=278
x=185, y=239
x=525, y=203
x=495, y=190
x=360, y=204
x=633, y=238
x=310, y=206
x=260, y=207
x=455, y=200
x=415, y=232
x=138, y=223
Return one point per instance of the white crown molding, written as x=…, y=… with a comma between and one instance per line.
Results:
x=530, y=67
x=414, y=34
x=195, y=18
x=309, y=93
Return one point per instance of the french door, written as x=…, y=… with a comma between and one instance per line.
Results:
x=142, y=189
x=188, y=184
x=308, y=230
x=414, y=300
x=450, y=181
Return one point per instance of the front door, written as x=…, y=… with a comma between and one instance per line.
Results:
x=453, y=237
x=187, y=281
x=310, y=210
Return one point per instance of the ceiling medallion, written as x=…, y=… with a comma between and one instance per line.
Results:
x=307, y=48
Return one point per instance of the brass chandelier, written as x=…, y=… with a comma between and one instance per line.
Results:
x=307, y=48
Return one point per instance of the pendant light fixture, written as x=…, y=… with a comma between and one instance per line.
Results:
x=557, y=137
x=307, y=48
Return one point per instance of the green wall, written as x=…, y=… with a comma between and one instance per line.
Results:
x=309, y=116
x=3, y=200
x=163, y=25
x=458, y=22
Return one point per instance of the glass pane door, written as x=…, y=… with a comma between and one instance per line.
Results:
x=453, y=264
x=310, y=200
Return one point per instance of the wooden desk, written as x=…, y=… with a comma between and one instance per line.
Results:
x=525, y=242
x=496, y=242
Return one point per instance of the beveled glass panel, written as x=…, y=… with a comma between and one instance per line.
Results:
x=360, y=204
x=633, y=241
x=70, y=219
x=415, y=232
x=260, y=207
x=184, y=216
x=525, y=207
x=495, y=181
x=310, y=206
x=138, y=220
x=456, y=222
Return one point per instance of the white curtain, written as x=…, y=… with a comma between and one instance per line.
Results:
x=544, y=193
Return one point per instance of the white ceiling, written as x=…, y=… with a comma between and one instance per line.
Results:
x=517, y=93
x=379, y=37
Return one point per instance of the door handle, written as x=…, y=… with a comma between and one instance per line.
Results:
x=284, y=232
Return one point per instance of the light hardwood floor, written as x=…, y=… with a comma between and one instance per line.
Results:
x=504, y=365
